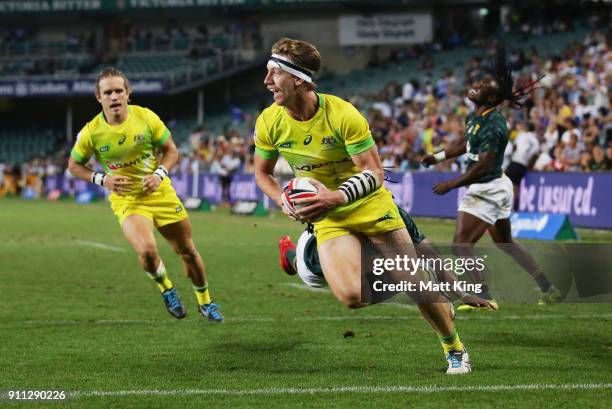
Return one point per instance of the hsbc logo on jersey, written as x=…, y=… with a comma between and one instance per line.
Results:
x=115, y=166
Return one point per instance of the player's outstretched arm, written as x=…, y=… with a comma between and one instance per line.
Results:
x=455, y=149
x=486, y=160
x=115, y=183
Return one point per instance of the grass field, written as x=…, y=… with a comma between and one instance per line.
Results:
x=78, y=314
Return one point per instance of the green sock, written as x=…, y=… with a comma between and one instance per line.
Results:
x=451, y=342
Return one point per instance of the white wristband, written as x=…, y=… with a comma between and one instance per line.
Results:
x=359, y=185
x=98, y=178
x=440, y=156
x=161, y=172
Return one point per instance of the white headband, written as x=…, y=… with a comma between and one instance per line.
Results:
x=285, y=64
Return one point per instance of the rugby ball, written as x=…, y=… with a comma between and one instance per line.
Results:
x=297, y=188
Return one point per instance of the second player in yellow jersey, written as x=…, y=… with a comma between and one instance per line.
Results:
x=126, y=140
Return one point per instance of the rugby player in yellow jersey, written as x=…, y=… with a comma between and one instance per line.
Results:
x=126, y=139
x=327, y=139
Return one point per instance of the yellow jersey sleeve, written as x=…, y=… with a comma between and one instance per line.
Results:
x=264, y=147
x=83, y=148
x=355, y=131
x=158, y=128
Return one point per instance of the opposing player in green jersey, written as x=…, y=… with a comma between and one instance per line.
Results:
x=328, y=140
x=488, y=201
x=125, y=139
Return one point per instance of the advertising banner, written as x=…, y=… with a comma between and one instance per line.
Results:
x=583, y=197
x=400, y=28
x=51, y=87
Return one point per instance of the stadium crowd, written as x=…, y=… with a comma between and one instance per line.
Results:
x=565, y=125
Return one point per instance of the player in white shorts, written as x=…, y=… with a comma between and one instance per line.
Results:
x=488, y=201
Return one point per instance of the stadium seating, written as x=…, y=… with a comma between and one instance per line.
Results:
x=19, y=145
x=178, y=68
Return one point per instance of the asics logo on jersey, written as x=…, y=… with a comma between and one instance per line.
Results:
x=122, y=140
x=286, y=145
x=115, y=166
x=104, y=148
x=308, y=139
x=314, y=166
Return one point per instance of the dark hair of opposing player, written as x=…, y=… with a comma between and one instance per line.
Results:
x=502, y=73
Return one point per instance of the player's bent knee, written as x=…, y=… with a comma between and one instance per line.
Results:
x=187, y=251
x=148, y=252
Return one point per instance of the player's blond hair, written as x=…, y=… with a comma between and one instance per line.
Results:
x=112, y=72
x=301, y=53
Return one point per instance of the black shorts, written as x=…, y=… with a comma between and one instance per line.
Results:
x=516, y=172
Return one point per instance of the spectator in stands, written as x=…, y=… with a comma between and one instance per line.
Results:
x=570, y=129
x=571, y=154
x=196, y=139
x=526, y=148
x=598, y=161
x=585, y=161
x=544, y=160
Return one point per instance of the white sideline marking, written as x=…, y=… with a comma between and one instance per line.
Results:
x=472, y=316
x=344, y=389
x=307, y=288
x=409, y=307
x=100, y=246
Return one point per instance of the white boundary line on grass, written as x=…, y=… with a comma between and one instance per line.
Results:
x=472, y=316
x=100, y=246
x=344, y=389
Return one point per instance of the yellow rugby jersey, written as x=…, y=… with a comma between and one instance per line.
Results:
x=319, y=148
x=127, y=149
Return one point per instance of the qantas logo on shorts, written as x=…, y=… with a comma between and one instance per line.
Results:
x=179, y=209
x=115, y=166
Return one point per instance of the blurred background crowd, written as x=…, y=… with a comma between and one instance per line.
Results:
x=565, y=125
